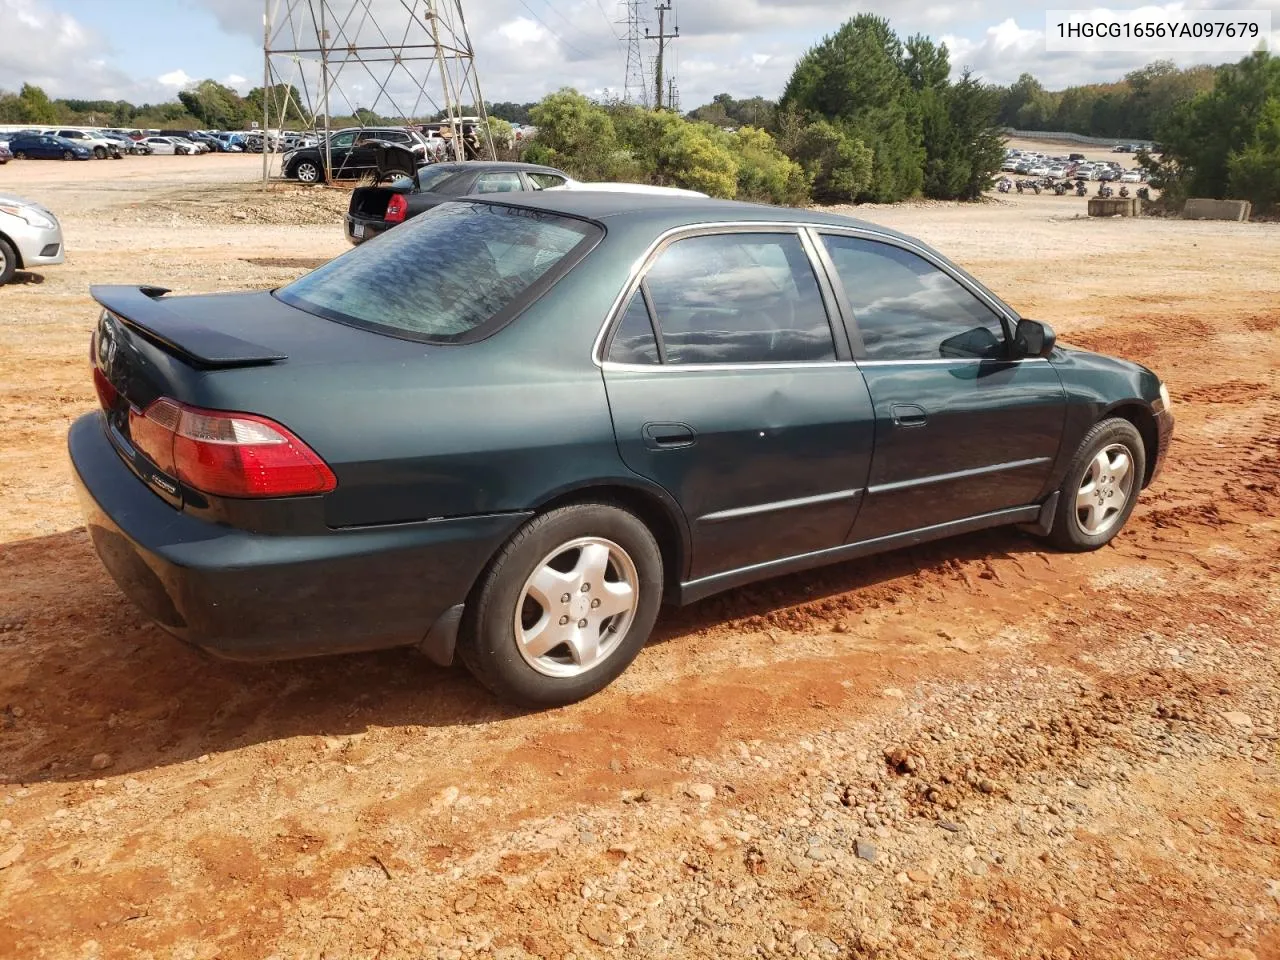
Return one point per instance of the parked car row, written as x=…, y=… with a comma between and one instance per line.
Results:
x=1073, y=167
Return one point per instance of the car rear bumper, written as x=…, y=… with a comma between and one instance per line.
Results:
x=253, y=596
x=360, y=229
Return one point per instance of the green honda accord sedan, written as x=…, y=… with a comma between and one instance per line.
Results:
x=509, y=430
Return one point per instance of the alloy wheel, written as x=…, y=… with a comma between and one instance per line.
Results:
x=68, y=155
x=576, y=607
x=1105, y=489
x=308, y=172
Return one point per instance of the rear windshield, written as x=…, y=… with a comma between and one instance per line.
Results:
x=431, y=177
x=448, y=275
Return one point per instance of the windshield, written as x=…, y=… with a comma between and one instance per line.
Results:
x=443, y=275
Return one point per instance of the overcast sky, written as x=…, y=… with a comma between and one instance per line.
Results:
x=147, y=50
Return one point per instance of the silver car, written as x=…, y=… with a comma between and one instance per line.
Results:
x=30, y=237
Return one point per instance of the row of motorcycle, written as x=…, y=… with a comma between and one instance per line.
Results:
x=1062, y=187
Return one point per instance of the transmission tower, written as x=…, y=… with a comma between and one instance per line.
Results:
x=636, y=88
x=400, y=60
x=659, y=82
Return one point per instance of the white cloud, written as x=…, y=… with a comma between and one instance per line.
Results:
x=174, y=78
x=521, y=31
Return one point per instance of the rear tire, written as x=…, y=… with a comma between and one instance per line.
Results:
x=1101, y=486
x=100, y=153
x=523, y=640
x=19, y=155
x=8, y=261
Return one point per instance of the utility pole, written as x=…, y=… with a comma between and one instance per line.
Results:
x=662, y=37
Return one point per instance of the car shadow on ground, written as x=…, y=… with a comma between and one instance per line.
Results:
x=26, y=277
x=83, y=673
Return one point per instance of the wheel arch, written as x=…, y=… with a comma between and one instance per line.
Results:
x=654, y=506
x=1140, y=415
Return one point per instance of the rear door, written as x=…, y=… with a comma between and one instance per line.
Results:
x=731, y=388
x=961, y=429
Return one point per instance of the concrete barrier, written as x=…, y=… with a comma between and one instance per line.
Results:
x=1114, y=207
x=1199, y=209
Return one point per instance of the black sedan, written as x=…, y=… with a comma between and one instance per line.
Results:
x=514, y=427
x=374, y=210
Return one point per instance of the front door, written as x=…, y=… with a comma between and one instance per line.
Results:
x=729, y=388
x=961, y=429
x=340, y=150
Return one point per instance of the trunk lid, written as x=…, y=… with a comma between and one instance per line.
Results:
x=147, y=346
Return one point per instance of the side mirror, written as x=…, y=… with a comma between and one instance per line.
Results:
x=1033, y=339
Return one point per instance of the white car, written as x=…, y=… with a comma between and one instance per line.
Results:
x=162, y=146
x=183, y=145
x=1039, y=170
x=577, y=185
x=30, y=237
x=1131, y=176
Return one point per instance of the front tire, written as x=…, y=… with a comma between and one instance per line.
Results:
x=307, y=172
x=1101, y=486
x=19, y=155
x=68, y=155
x=8, y=261
x=100, y=153
x=564, y=607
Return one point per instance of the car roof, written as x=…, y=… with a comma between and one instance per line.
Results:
x=667, y=212
x=498, y=166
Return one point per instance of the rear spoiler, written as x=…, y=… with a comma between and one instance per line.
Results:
x=143, y=309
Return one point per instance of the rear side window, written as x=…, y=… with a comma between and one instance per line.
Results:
x=442, y=276
x=634, y=341
x=908, y=309
x=739, y=298
x=545, y=181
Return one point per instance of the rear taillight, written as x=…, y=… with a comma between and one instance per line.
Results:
x=228, y=454
x=397, y=207
x=107, y=394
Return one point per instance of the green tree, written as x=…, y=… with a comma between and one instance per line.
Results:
x=1231, y=122
x=574, y=134
x=838, y=165
x=856, y=76
x=1253, y=173
x=765, y=173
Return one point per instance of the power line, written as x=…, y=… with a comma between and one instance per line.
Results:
x=546, y=27
x=600, y=6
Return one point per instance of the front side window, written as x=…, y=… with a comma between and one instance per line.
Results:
x=739, y=298
x=343, y=140
x=445, y=273
x=908, y=309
